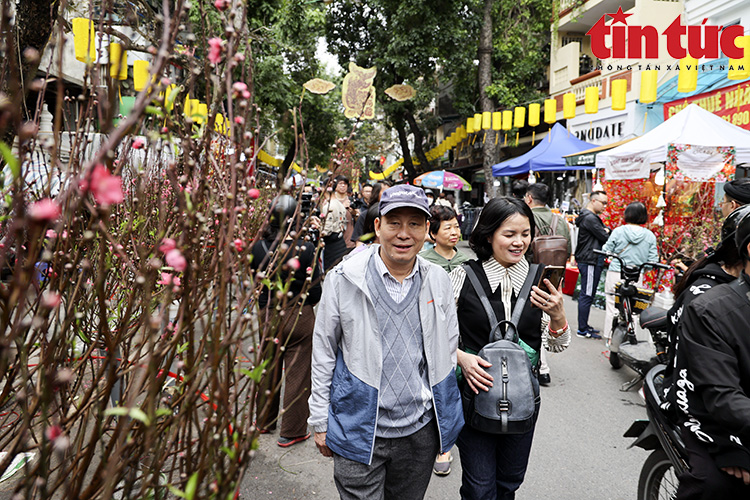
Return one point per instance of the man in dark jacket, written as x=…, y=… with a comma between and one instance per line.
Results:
x=592, y=234
x=715, y=342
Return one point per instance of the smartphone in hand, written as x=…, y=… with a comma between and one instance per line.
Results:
x=554, y=274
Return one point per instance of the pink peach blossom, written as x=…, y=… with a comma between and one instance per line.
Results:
x=253, y=194
x=176, y=260
x=138, y=143
x=293, y=263
x=214, y=52
x=45, y=210
x=221, y=4
x=167, y=244
x=238, y=245
x=106, y=188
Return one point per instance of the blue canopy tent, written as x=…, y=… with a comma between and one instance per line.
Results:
x=548, y=155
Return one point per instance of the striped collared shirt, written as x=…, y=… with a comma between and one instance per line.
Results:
x=396, y=289
x=495, y=273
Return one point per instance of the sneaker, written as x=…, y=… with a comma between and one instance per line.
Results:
x=583, y=333
x=544, y=379
x=442, y=465
x=287, y=442
x=594, y=335
x=594, y=330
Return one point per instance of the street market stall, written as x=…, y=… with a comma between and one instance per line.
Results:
x=547, y=156
x=674, y=169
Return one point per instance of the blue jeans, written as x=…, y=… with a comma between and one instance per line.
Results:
x=590, y=275
x=493, y=466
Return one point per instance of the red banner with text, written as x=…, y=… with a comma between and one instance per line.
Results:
x=731, y=103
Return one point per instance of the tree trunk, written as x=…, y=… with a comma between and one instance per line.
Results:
x=485, y=80
x=424, y=164
x=33, y=26
x=411, y=172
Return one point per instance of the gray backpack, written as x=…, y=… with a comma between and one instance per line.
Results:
x=509, y=407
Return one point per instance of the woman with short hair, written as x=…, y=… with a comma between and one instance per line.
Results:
x=494, y=465
x=445, y=231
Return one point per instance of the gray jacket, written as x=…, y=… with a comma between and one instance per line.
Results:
x=347, y=357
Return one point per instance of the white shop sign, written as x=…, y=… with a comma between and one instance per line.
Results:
x=601, y=131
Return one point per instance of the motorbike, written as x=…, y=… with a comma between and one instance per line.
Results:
x=668, y=459
x=631, y=301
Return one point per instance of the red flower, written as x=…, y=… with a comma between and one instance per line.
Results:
x=253, y=193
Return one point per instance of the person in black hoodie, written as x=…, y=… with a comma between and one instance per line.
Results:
x=713, y=386
x=592, y=234
x=290, y=341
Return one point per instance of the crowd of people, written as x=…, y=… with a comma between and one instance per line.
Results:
x=392, y=360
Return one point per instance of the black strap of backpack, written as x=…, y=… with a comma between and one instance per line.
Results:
x=512, y=325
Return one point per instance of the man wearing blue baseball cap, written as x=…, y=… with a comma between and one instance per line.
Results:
x=384, y=397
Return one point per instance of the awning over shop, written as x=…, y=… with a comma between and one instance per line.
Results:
x=548, y=155
x=588, y=158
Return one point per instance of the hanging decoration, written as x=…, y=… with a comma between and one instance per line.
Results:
x=358, y=92
x=84, y=40
x=591, y=100
x=318, y=86
x=700, y=163
x=401, y=92
x=534, y=109
x=648, y=86
x=519, y=118
x=739, y=69
x=569, y=106
x=470, y=125
x=619, y=94
x=550, y=111
x=687, y=80
x=497, y=124
x=486, y=120
x=140, y=74
x=118, y=62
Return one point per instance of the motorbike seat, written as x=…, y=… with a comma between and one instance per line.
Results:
x=654, y=318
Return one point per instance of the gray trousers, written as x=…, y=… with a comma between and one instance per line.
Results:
x=401, y=468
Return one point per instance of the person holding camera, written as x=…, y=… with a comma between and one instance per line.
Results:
x=494, y=465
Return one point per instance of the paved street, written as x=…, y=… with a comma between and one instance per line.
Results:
x=578, y=453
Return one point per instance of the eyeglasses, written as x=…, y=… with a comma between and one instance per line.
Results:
x=602, y=202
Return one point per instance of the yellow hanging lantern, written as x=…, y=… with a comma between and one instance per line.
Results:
x=519, y=117
x=200, y=112
x=619, y=94
x=462, y=133
x=591, y=100
x=534, y=114
x=550, y=111
x=687, y=80
x=477, y=122
x=140, y=74
x=486, y=120
x=219, y=123
x=118, y=62
x=569, y=106
x=497, y=120
x=168, y=99
x=507, y=119
x=83, y=39
x=735, y=73
x=648, y=86
x=470, y=125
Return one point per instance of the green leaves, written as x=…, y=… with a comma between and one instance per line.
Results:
x=10, y=160
x=134, y=413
